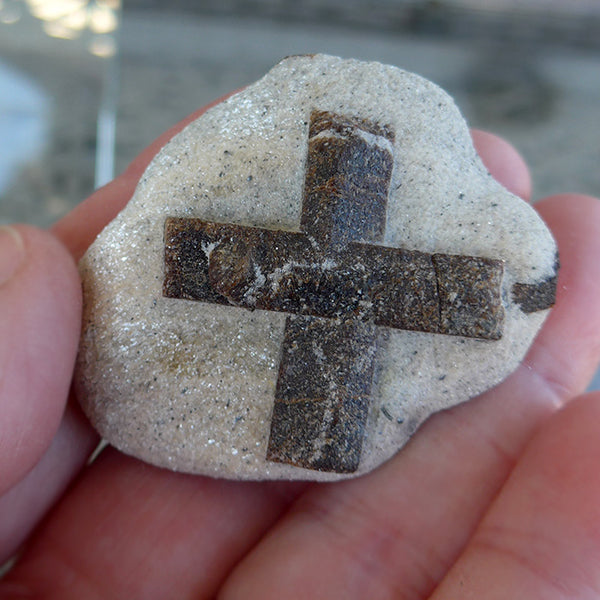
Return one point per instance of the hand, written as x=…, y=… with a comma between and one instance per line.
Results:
x=495, y=498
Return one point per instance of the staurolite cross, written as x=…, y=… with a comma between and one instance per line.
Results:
x=338, y=285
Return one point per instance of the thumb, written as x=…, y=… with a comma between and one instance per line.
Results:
x=40, y=312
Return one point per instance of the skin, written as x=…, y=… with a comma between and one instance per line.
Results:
x=496, y=498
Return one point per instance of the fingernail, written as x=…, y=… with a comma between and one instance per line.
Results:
x=12, y=252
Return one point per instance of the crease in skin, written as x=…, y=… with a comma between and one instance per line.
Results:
x=12, y=252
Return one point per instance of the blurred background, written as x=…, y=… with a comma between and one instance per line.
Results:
x=86, y=84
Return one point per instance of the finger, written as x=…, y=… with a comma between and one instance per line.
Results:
x=503, y=162
x=40, y=314
x=569, y=364
x=25, y=504
x=540, y=538
x=129, y=530
x=397, y=530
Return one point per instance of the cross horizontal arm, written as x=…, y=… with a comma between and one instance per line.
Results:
x=286, y=271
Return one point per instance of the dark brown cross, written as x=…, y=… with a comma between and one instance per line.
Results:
x=338, y=284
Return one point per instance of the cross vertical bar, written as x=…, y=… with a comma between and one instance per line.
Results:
x=326, y=367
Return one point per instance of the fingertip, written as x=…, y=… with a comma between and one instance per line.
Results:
x=582, y=207
x=574, y=220
x=568, y=448
x=40, y=314
x=504, y=163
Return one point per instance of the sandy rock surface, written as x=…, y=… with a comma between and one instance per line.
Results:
x=304, y=275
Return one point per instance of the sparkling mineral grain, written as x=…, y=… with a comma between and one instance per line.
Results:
x=304, y=275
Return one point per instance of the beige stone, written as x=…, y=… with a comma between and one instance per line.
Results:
x=190, y=385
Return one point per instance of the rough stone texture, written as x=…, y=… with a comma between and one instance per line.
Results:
x=231, y=387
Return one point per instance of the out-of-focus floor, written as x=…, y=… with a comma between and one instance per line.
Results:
x=529, y=71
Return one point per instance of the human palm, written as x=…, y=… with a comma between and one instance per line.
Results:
x=496, y=498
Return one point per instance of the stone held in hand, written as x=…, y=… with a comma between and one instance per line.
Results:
x=303, y=275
